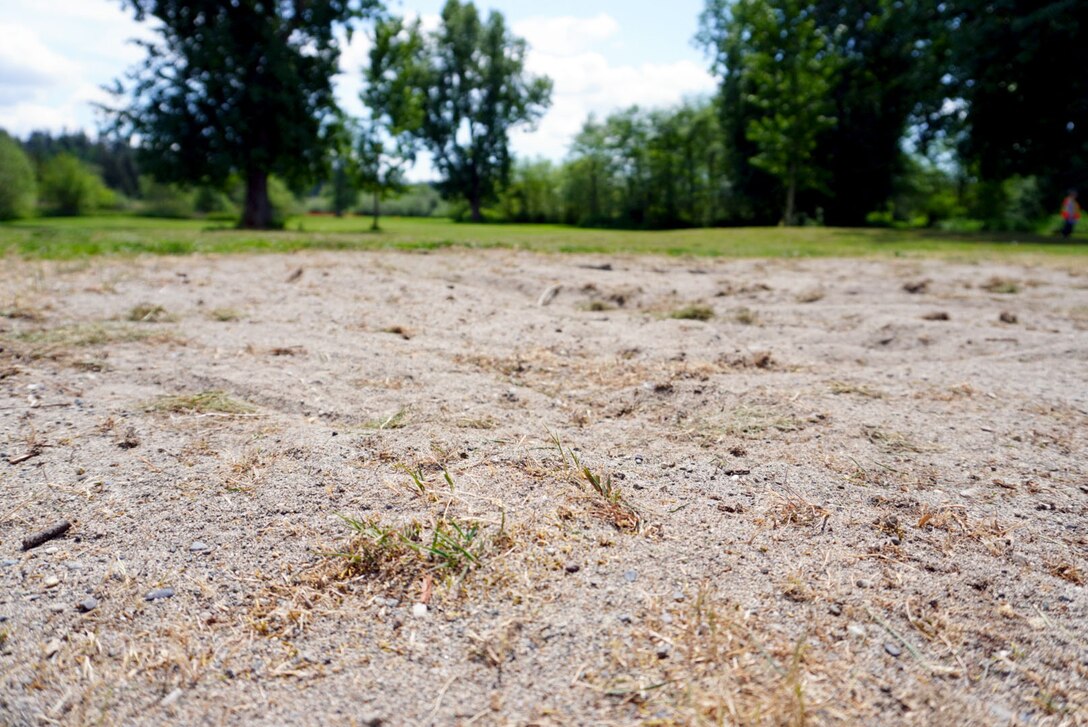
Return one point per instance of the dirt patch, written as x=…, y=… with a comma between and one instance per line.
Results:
x=404, y=489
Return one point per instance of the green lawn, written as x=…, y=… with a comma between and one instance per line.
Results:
x=62, y=238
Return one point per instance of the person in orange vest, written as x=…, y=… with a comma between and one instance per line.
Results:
x=1070, y=213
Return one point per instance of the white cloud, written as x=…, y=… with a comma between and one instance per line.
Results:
x=55, y=53
x=22, y=118
x=566, y=35
x=586, y=82
x=26, y=61
x=97, y=11
x=54, y=56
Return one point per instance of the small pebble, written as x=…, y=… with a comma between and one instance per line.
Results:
x=56, y=607
x=835, y=609
x=52, y=551
x=392, y=602
x=419, y=610
x=198, y=547
x=856, y=630
x=171, y=697
x=572, y=567
x=678, y=596
x=896, y=540
x=863, y=583
x=630, y=576
x=52, y=647
x=51, y=582
x=892, y=649
x=666, y=618
x=663, y=652
x=158, y=593
x=625, y=618
x=8, y=562
x=87, y=604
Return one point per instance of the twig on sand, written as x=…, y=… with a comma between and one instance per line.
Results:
x=44, y=536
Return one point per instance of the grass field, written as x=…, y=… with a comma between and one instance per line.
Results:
x=63, y=238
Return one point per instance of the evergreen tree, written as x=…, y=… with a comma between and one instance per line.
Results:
x=236, y=88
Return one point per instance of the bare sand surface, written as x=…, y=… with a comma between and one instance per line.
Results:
x=856, y=493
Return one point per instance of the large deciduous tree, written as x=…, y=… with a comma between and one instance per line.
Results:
x=779, y=68
x=889, y=71
x=236, y=88
x=463, y=92
x=1019, y=67
x=887, y=62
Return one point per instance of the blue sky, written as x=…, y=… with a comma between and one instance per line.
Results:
x=602, y=56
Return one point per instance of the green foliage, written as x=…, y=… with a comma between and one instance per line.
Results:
x=924, y=195
x=80, y=237
x=886, y=73
x=533, y=194
x=1018, y=67
x=282, y=202
x=115, y=160
x=18, y=190
x=241, y=88
x=69, y=187
x=165, y=200
x=1012, y=205
x=418, y=200
x=786, y=69
x=460, y=90
x=888, y=69
x=647, y=169
x=214, y=204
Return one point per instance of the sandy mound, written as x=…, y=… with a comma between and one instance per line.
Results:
x=397, y=489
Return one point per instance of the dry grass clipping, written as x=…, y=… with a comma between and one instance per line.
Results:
x=205, y=402
x=709, y=663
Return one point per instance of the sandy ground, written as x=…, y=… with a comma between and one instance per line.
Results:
x=837, y=501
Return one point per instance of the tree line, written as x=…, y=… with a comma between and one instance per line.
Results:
x=872, y=112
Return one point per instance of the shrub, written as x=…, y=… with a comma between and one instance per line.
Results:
x=165, y=200
x=69, y=187
x=284, y=202
x=214, y=204
x=17, y=187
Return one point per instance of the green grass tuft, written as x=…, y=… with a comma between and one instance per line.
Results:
x=693, y=313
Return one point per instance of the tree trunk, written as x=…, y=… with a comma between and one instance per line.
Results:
x=791, y=194
x=377, y=211
x=258, y=210
x=338, y=191
x=477, y=215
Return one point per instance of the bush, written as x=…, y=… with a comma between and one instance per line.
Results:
x=214, y=204
x=71, y=188
x=17, y=187
x=284, y=202
x=420, y=200
x=165, y=200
